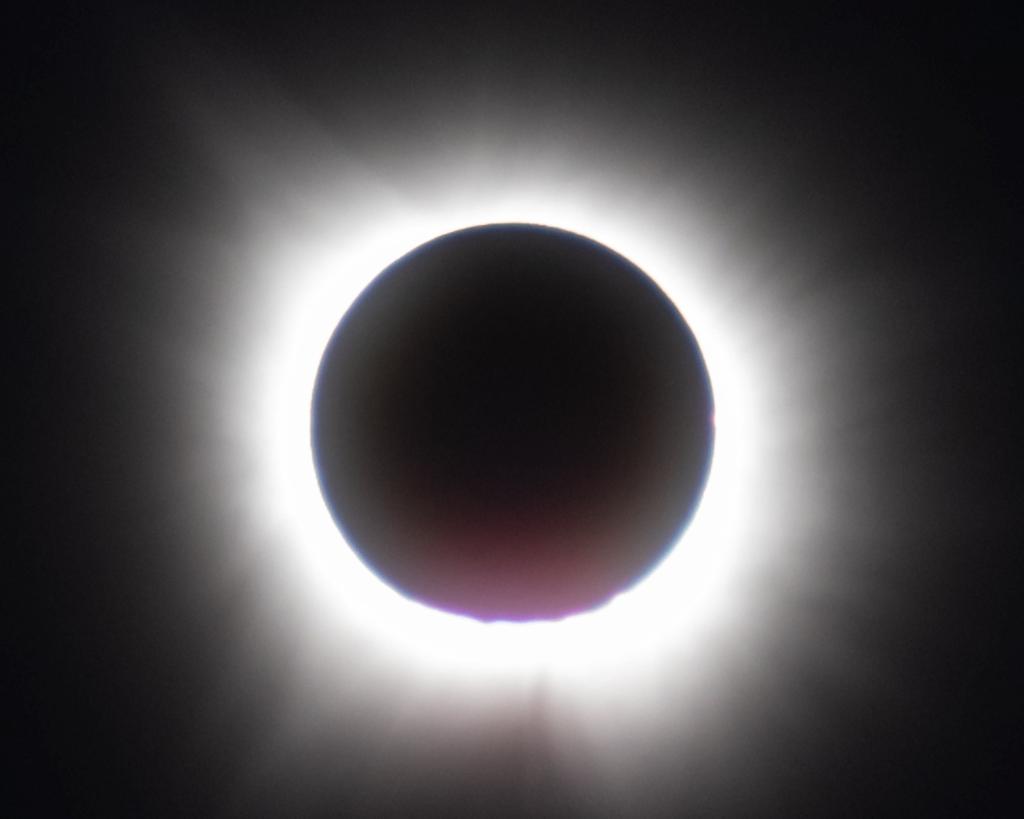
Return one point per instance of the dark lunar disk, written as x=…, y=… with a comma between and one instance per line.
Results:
x=512, y=422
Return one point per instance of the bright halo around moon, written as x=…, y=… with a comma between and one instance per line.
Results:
x=688, y=596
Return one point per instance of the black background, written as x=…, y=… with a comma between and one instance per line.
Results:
x=898, y=127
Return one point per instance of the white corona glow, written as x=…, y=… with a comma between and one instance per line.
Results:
x=310, y=282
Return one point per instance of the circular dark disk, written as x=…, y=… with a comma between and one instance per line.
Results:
x=512, y=422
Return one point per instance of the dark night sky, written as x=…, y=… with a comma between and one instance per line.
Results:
x=891, y=136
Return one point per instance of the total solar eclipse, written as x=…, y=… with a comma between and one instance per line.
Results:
x=512, y=422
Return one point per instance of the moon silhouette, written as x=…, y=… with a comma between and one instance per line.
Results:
x=512, y=422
